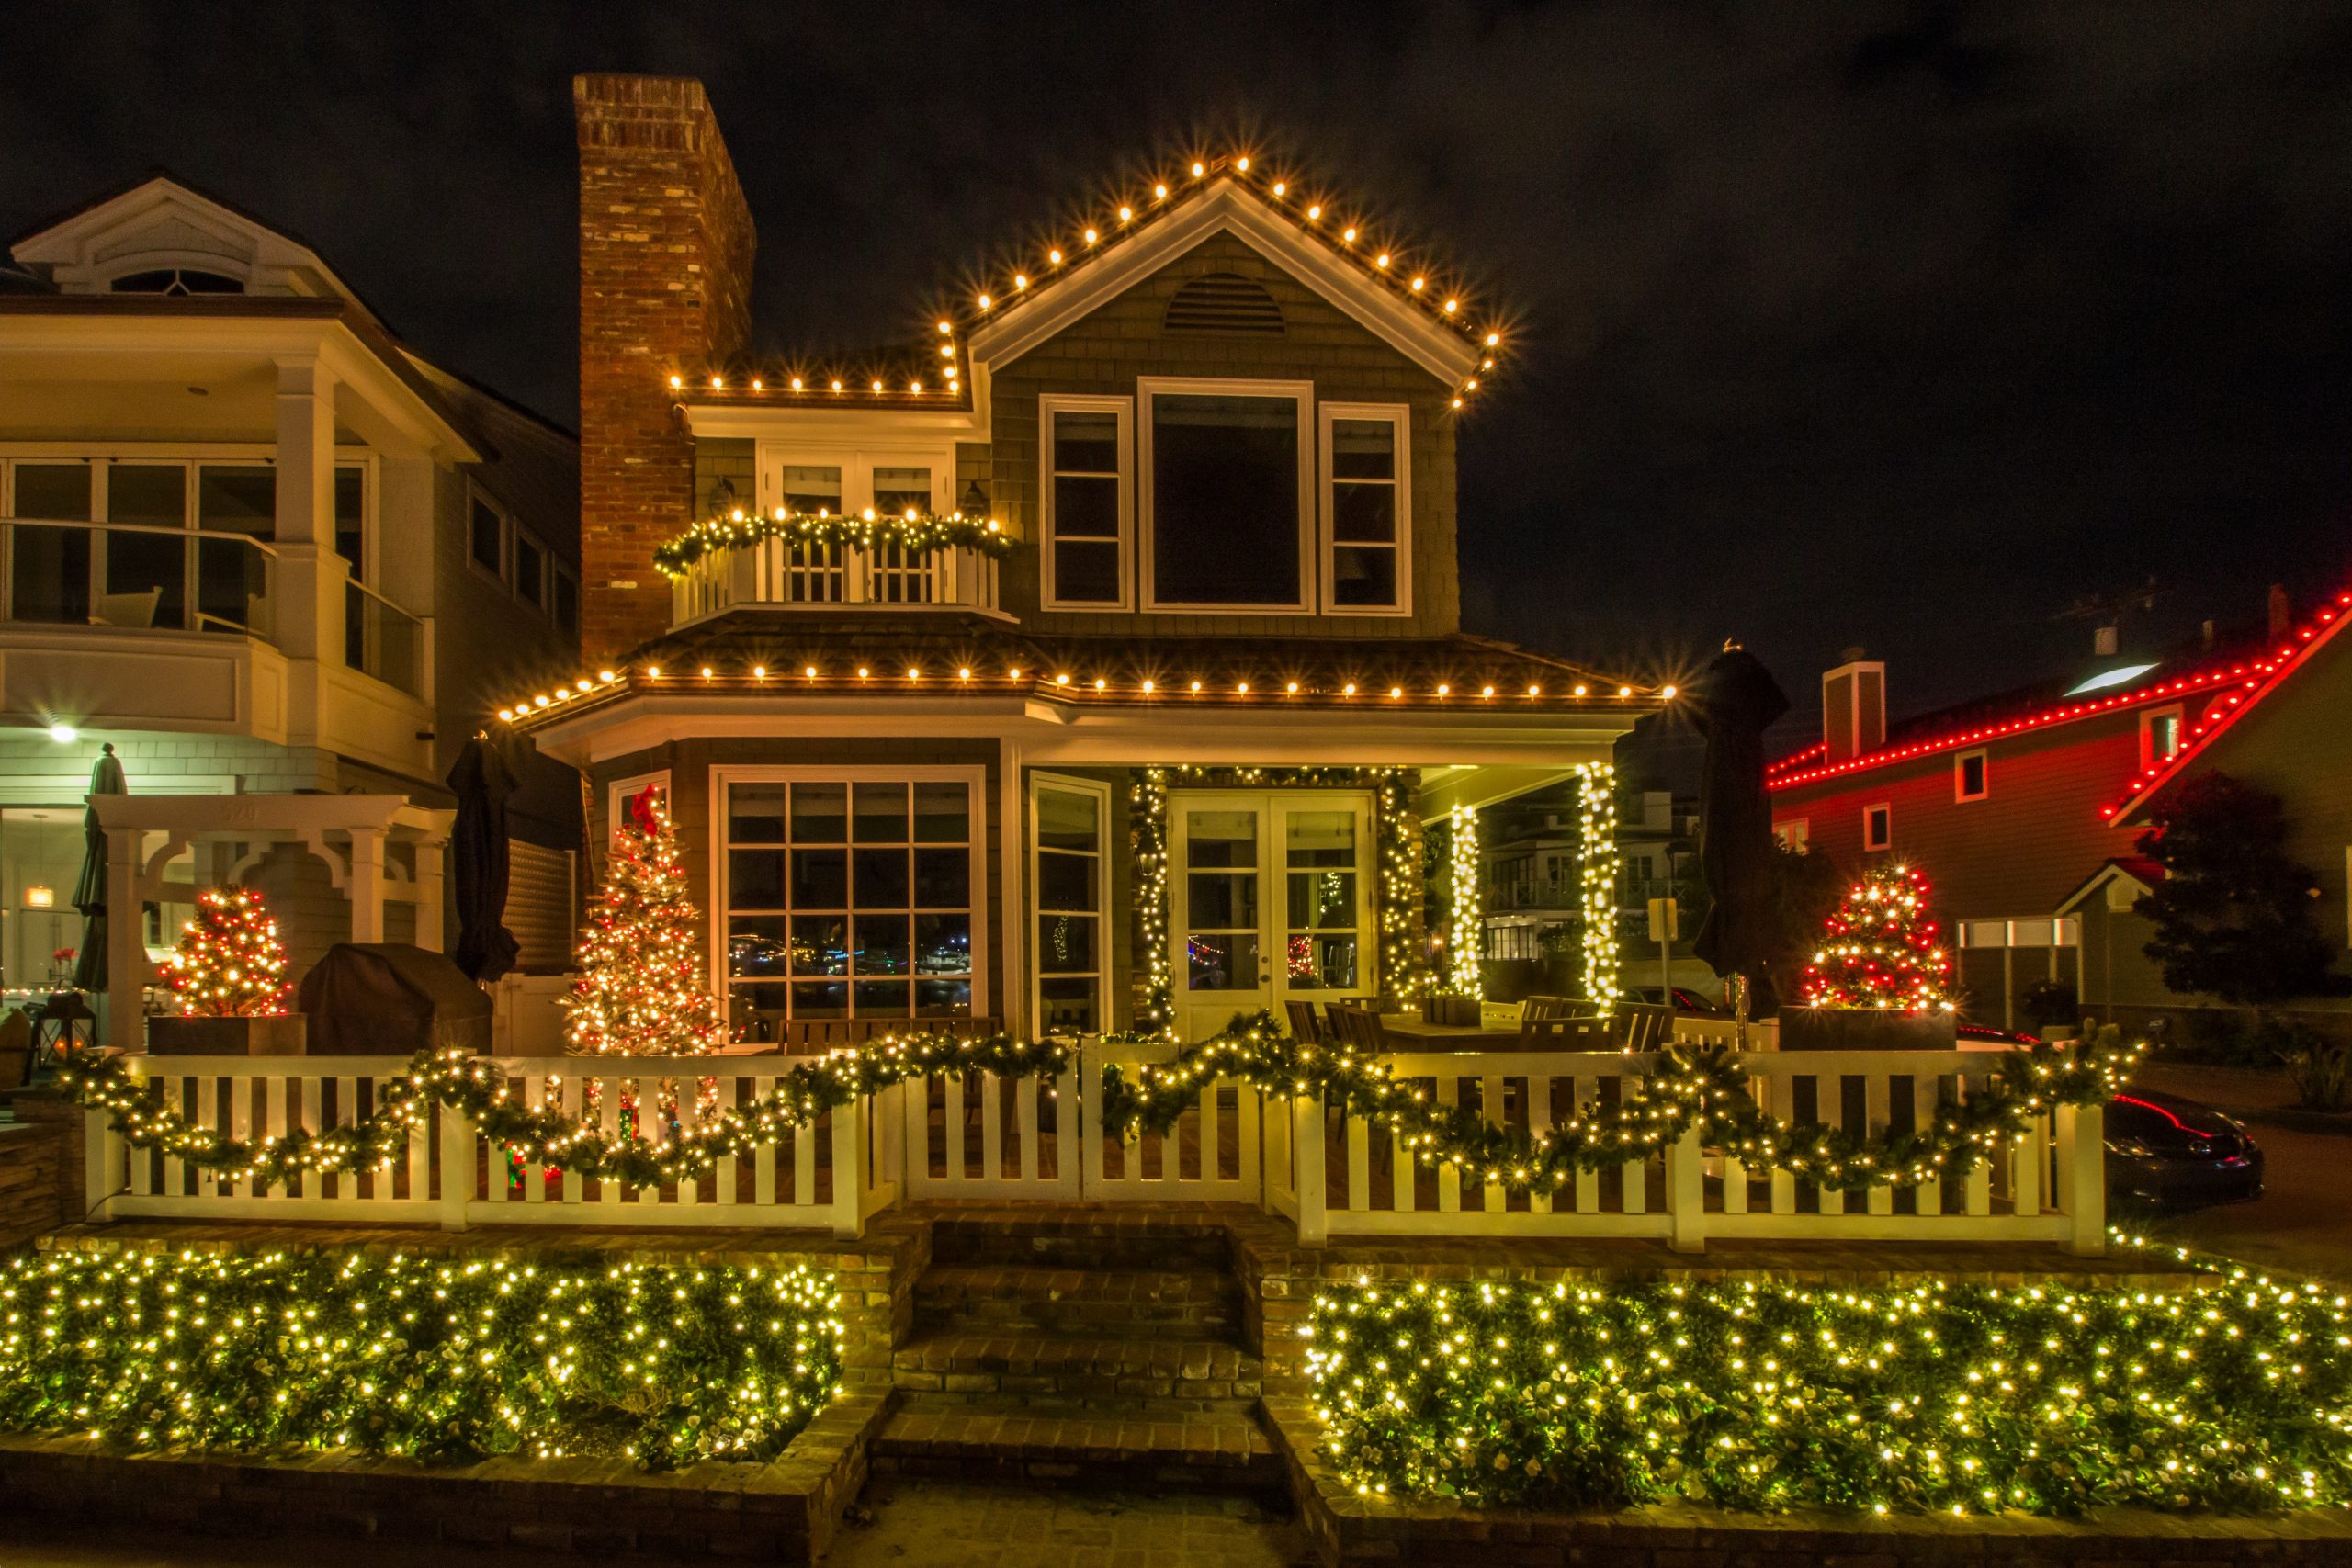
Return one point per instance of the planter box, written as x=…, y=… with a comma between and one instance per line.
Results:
x=283, y=1037
x=1462, y=1011
x=1866, y=1028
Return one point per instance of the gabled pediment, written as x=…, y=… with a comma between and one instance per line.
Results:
x=160, y=226
x=1225, y=206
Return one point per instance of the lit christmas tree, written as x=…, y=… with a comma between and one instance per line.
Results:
x=230, y=963
x=1879, y=949
x=641, y=991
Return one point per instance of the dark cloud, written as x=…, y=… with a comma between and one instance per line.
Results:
x=1902, y=325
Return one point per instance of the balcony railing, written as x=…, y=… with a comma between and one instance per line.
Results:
x=788, y=573
x=379, y=638
x=1538, y=895
x=134, y=577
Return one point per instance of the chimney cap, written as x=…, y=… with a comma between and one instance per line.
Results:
x=1853, y=655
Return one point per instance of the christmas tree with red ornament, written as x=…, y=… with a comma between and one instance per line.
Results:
x=230, y=962
x=641, y=991
x=1879, y=948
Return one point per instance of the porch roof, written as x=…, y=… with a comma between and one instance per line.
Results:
x=763, y=658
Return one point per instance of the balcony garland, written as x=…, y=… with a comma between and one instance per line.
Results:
x=916, y=533
x=1705, y=1089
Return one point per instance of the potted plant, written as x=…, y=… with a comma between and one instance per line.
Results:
x=1880, y=979
x=1450, y=1004
x=229, y=978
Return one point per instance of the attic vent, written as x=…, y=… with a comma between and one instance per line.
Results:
x=1223, y=302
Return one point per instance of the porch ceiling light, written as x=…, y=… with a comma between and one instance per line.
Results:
x=64, y=734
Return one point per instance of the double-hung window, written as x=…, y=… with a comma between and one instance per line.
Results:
x=1087, y=509
x=1227, y=494
x=1367, y=508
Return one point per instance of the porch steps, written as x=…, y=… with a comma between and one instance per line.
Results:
x=1080, y=1345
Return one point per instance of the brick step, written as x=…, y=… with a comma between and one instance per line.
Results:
x=1005, y=1441
x=1067, y=1369
x=1084, y=1239
x=980, y=1299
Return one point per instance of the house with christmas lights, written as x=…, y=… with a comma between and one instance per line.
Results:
x=1092, y=660
x=271, y=557
x=2025, y=808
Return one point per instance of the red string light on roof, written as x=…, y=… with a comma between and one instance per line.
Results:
x=2249, y=676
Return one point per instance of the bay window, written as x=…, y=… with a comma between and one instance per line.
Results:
x=1227, y=494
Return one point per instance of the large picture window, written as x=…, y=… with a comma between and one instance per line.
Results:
x=1227, y=494
x=1367, y=508
x=1083, y=455
x=848, y=895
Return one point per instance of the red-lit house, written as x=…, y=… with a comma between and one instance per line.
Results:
x=2024, y=808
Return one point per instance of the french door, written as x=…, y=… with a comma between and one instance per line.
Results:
x=1271, y=901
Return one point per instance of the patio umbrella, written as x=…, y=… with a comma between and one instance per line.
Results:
x=484, y=777
x=90, y=888
x=1731, y=702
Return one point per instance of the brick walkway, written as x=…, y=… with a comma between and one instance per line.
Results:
x=944, y=1525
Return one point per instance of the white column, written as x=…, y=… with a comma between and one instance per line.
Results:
x=310, y=574
x=430, y=858
x=365, y=887
x=126, y=949
x=1012, y=896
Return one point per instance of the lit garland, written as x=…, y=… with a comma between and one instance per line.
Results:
x=1706, y=1089
x=1950, y=1398
x=433, y=1359
x=230, y=962
x=1465, y=936
x=1880, y=950
x=478, y=1091
x=641, y=991
x=1156, y=1014
x=1404, y=967
x=916, y=533
x=1597, y=857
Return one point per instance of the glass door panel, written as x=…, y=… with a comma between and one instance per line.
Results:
x=1273, y=902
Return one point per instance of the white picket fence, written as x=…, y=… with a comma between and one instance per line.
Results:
x=975, y=1136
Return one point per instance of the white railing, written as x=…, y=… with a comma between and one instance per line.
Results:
x=135, y=576
x=789, y=572
x=975, y=1136
x=379, y=638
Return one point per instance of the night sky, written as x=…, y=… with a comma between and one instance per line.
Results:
x=1902, y=325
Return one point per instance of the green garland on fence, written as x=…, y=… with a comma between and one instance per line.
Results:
x=429, y=1358
x=1707, y=1090
x=920, y=533
x=478, y=1089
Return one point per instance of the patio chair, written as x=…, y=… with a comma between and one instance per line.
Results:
x=1304, y=1024
x=1559, y=1033
x=134, y=610
x=1643, y=1026
x=1550, y=1007
x=1359, y=1029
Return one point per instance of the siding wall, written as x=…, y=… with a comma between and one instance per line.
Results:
x=1104, y=353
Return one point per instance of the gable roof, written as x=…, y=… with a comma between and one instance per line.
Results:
x=2136, y=871
x=2295, y=652
x=2236, y=666
x=1411, y=307
x=160, y=219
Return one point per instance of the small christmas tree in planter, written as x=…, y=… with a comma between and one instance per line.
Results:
x=229, y=979
x=1881, y=978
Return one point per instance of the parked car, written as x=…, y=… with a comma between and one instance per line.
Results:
x=1685, y=1000
x=2176, y=1154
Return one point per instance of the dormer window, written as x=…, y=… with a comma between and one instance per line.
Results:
x=1227, y=496
x=176, y=282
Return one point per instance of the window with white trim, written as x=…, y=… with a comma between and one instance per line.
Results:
x=848, y=893
x=624, y=799
x=1970, y=775
x=1069, y=821
x=1086, y=503
x=1794, y=833
x=1878, y=826
x=809, y=478
x=2160, y=735
x=1226, y=494
x=1367, y=508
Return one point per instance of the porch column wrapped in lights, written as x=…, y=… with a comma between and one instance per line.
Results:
x=1596, y=847
x=1157, y=1012
x=1463, y=936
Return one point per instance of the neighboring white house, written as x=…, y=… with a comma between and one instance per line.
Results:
x=266, y=551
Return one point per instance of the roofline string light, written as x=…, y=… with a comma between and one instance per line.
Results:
x=1096, y=234
x=2249, y=675
x=1069, y=687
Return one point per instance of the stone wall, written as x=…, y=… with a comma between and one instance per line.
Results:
x=32, y=1155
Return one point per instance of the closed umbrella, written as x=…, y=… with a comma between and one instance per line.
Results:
x=484, y=778
x=90, y=889
x=1731, y=702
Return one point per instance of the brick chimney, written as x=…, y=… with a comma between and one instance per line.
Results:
x=665, y=279
x=1853, y=706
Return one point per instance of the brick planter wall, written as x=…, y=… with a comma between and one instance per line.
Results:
x=30, y=1156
